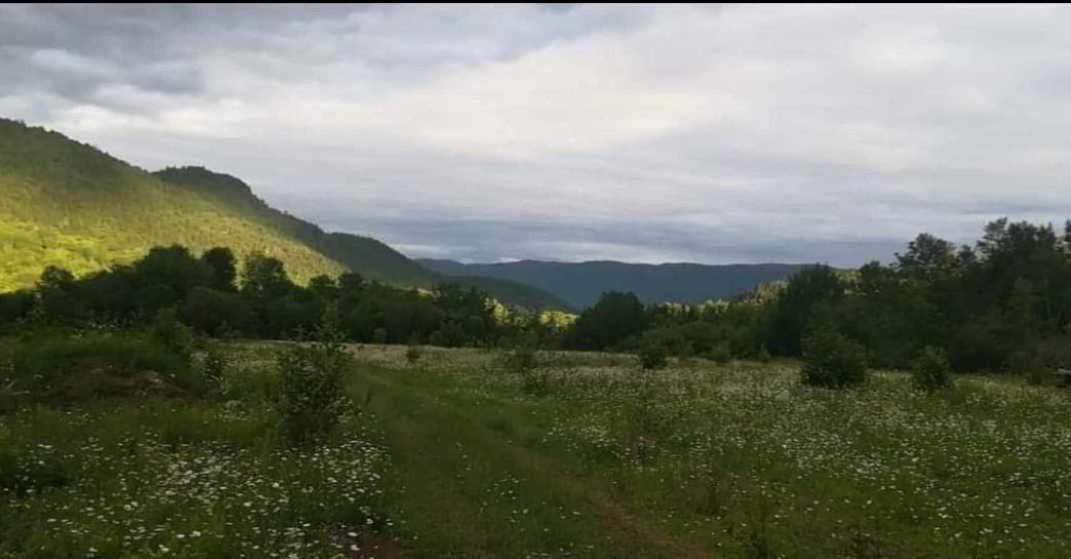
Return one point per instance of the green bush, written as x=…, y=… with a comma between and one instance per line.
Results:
x=764, y=355
x=653, y=356
x=720, y=353
x=172, y=334
x=522, y=358
x=69, y=368
x=20, y=477
x=832, y=361
x=214, y=367
x=931, y=370
x=413, y=353
x=524, y=361
x=311, y=400
x=1028, y=364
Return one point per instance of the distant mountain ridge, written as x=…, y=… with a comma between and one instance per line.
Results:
x=581, y=283
x=69, y=204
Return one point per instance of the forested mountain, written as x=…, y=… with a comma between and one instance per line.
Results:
x=580, y=284
x=68, y=204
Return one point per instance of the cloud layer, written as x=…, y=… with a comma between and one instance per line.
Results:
x=658, y=133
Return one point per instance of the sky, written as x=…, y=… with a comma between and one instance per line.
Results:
x=659, y=133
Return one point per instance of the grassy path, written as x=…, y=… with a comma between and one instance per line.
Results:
x=466, y=485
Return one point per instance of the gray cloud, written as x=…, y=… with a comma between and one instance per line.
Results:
x=652, y=133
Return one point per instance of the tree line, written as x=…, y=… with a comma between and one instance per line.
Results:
x=209, y=295
x=1004, y=302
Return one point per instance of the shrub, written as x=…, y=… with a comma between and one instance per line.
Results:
x=311, y=399
x=412, y=354
x=524, y=361
x=522, y=358
x=649, y=422
x=99, y=365
x=1029, y=365
x=10, y=396
x=653, y=356
x=832, y=361
x=172, y=334
x=931, y=370
x=764, y=355
x=720, y=353
x=214, y=367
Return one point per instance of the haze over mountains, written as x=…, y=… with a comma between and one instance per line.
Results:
x=581, y=283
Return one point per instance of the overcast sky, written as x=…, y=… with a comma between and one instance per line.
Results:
x=646, y=134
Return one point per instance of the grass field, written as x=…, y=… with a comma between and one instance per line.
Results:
x=456, y=456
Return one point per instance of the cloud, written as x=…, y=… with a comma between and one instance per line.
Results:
x=651, y=133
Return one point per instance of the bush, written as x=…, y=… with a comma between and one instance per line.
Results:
x=380, y=336
x=832, y=361
x=214, y=367
x=1028, y=364
x=653, y=356
x=720, y=353
x=311, y=399
x=99, y=365
x=172, y=334
x=522, y=359
x=931, y=370
x=764, y=355
x=412, y=354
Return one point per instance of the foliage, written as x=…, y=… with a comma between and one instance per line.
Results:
x=413, y=354
x=62, y=368
x=832, y=361
x=69, y=205
x=764, y=355
x=613, y=319
x=310, y=399
x=214, y=367
x=653, y=356
x=932, y=370
x=720, y=353
x=172, y=334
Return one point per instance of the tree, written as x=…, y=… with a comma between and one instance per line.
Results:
x=324, y=287
x=927, y=256
x=832, y=361
x=264, y=277
x=793, y=309
x=222, y=263
x=311, y=399
x=56, y=300
x=614, y=318
x=165, y=276
x=216, y=312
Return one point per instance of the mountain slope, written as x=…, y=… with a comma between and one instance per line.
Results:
x=370, y=257
x=373, y=259
x=69, y=204
x=581, y=283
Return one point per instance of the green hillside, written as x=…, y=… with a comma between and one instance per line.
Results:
x=69, y=204
x=373, y=259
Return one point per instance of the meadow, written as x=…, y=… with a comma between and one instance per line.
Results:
x=463, y=453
